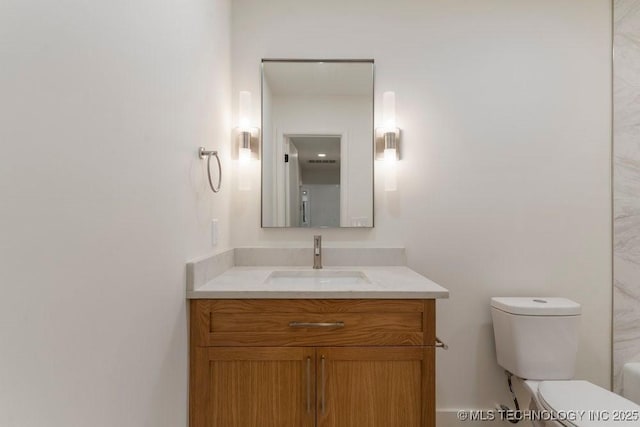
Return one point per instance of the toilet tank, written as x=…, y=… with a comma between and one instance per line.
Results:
x=536, y=338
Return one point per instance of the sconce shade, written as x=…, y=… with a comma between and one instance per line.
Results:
x=389, y=111
x=245, y=154
x=244, y=111
x=387, y=141
x=244, y=148
x=244, y=164
x=390, y=172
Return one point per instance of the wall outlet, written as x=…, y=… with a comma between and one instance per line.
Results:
x=214, y=232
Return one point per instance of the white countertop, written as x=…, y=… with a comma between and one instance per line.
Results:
x=385, y=283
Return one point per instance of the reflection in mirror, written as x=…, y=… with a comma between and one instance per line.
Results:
x=314, y=181
x=317, y=147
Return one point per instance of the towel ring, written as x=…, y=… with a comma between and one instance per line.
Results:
x=208, y=154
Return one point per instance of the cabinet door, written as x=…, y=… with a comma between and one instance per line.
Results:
x=252, y=387
x=376, y=387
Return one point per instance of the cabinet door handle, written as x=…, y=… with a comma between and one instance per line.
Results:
x=322, y=402
x=308, y=385
x=316, y=324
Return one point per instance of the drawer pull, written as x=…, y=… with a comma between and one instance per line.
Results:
x=316, y=324
x=441, y=344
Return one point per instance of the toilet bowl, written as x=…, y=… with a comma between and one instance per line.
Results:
x=537, y=341
x=577, y=403
x=631, y=381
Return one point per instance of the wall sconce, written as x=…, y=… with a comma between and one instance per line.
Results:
x=247, y=137
x=388, y=141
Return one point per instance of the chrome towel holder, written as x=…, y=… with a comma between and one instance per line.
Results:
x=208, y=154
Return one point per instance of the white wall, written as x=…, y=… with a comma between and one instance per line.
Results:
x=102, y=108
x=504, y=184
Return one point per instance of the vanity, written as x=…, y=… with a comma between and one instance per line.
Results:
x=350, y=346
x=277, y=343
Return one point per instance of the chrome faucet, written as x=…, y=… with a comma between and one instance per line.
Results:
x=317, y=252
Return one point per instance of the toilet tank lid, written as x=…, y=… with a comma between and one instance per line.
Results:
x=536, y=306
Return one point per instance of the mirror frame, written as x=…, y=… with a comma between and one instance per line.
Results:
x=373, y=140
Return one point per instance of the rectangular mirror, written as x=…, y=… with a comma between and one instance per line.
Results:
x=317, y=143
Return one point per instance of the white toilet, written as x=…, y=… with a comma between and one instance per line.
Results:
x=537, y=341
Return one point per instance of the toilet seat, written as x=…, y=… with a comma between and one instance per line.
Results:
x=587, y=401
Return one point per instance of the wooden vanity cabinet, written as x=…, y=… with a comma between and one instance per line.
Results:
x=252, y=386
x=324, y=363
x=379, y=386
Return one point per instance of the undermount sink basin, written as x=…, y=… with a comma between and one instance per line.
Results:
x=317, y=277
